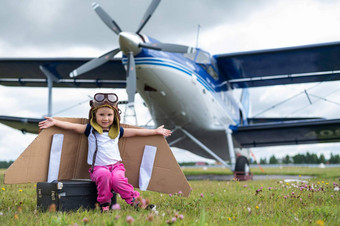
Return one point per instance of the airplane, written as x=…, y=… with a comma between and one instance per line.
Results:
x=190, y=91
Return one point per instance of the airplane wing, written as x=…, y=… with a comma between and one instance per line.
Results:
x=29, y=125
x=303, y=64
x=275, y=119
x=287, y=133
x=310, y=63
x=29, y=72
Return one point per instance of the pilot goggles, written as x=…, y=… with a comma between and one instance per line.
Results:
x=104, y=98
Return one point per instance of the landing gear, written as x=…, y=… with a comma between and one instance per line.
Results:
x=130, y=113
x=205, y=148
x=231, y=148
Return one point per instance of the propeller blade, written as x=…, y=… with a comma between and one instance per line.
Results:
x=94, y=63
x=131, y=78
x=168, y=47
x=148, y=14
x=106, y=18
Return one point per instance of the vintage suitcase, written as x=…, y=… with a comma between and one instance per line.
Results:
x=67, y=195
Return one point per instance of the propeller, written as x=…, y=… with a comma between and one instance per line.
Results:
x=96, y=62
x=131, y=78
x=168, y=47
x=106, y=18
x=148, y=14
x=130, y=45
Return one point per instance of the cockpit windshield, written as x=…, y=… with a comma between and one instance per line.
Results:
x=203, y=58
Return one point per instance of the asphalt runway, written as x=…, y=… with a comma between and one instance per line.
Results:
x=255, y=177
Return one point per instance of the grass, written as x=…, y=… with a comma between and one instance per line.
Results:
x=269, y=202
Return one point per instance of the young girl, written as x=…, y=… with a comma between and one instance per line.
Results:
x=103, y=132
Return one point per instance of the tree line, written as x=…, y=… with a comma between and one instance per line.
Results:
x=296, y=159
x=303, y=159
x=5, y=164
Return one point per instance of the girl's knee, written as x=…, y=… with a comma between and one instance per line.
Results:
x=117, y=177
x=100, y=175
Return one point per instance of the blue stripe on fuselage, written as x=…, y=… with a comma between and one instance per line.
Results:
x=175, y=61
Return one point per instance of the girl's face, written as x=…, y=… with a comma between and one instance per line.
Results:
x=105, y=117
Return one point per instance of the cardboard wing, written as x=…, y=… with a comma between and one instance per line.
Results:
x=32, y=165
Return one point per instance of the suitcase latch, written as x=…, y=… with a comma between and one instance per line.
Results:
x=39, y=193
x=53, y=195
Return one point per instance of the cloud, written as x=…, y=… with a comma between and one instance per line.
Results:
x=275, y=24
x=66, y=28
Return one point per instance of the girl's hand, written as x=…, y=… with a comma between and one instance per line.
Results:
x=47, y=123
x=162, y=131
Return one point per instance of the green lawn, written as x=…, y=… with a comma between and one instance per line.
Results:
x=268, y=202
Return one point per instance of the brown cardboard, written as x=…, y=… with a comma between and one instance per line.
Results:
x=32, y=164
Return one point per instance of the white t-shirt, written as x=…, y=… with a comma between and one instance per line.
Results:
x=108, y=151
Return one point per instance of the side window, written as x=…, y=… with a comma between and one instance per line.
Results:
x=205, y=61
x=211, y=71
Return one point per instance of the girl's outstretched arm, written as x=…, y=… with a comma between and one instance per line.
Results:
x=130, y=132
x=49, y=122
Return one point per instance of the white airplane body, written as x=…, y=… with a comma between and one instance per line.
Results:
x=181, y=98
x=182, y=95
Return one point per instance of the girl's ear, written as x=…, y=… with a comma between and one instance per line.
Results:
x=94, y=115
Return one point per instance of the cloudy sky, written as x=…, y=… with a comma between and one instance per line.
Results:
x=70, y=28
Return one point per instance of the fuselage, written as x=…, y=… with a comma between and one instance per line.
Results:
x=185, y=90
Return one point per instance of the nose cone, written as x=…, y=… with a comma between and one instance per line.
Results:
x=129, y=42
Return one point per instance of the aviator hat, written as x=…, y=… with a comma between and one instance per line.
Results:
x=101, y=100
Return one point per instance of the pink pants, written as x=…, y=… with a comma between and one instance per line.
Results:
x=112, y=177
